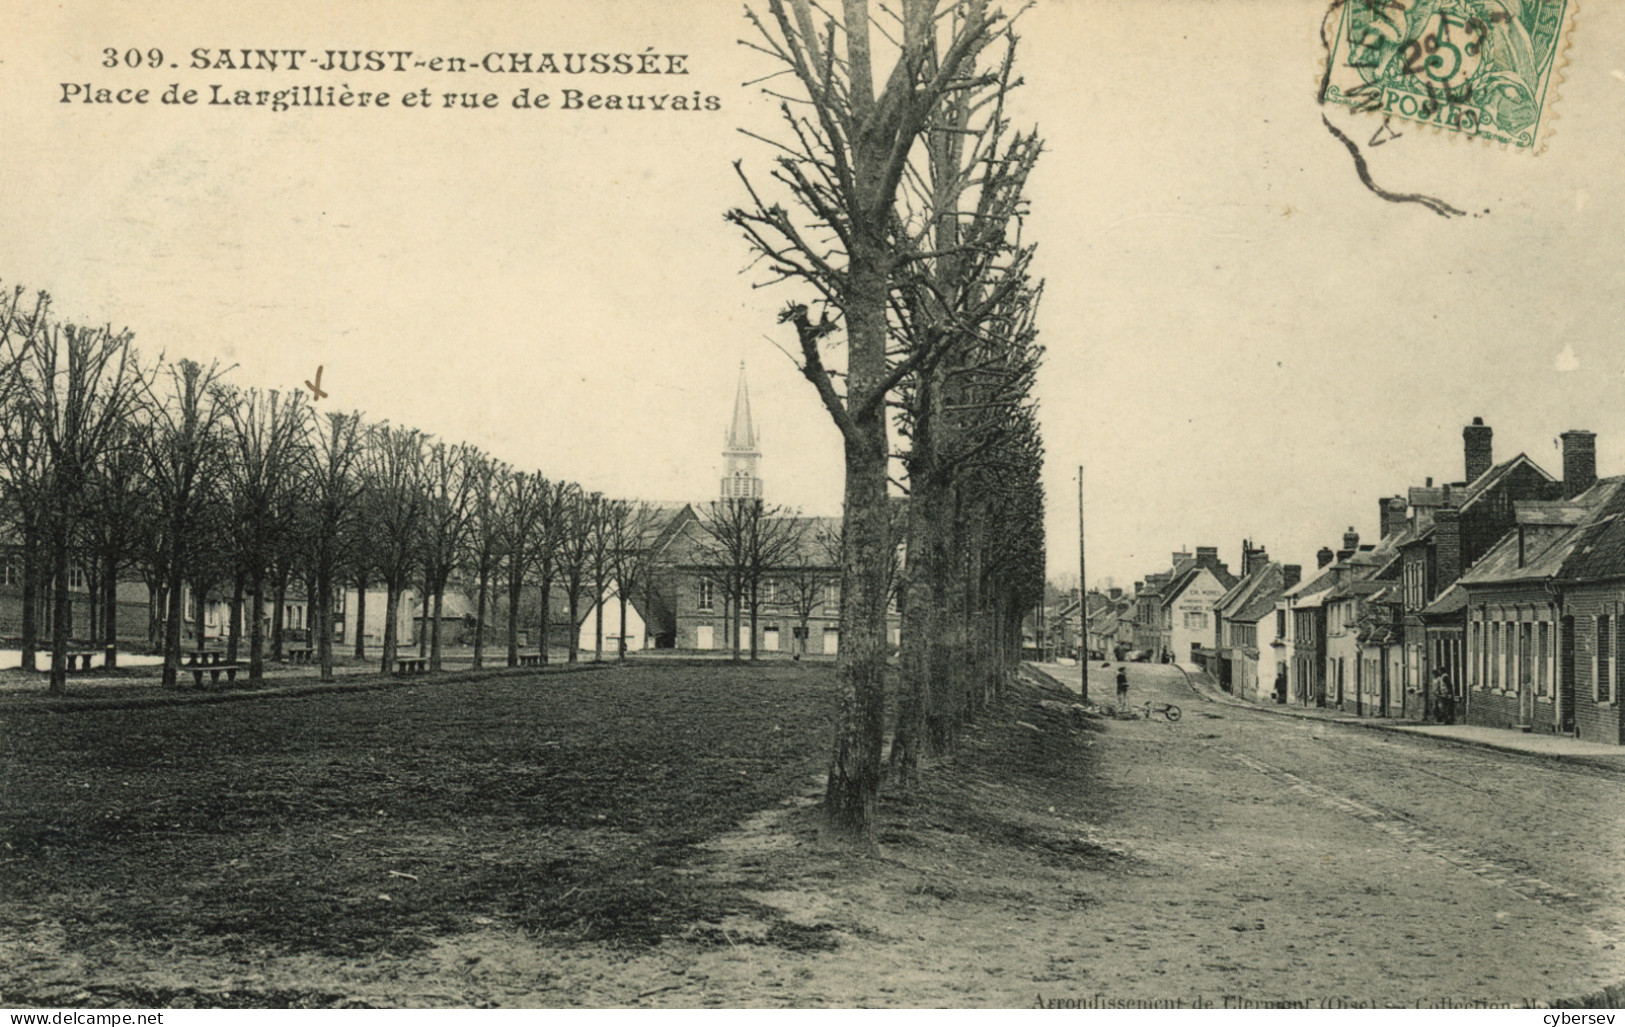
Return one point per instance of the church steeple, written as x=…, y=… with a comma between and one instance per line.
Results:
x=739, y=452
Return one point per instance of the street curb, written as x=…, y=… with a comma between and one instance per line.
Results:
x=1611, y=763
x=1213, y=694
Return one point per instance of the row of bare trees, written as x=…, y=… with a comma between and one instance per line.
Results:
x=894, y=206
x=112, y=468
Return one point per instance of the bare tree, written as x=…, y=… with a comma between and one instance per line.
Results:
x=608, y=524
x=449, y=478
x=632, y=557
x=397, y=499
x=75, y=385
x=745, y=539
x=488, y=479
x=578, y=526
x=184, y=470
x=267, y=437
x=521, y=501
x=118, y=520
x=555, y=525
x=333, y=472
x=841, y=164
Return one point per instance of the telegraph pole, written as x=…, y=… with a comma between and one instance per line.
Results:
x=1083, y=596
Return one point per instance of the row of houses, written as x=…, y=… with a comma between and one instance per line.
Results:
x=1495, y=600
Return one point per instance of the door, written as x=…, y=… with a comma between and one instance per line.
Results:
x=703, y=637
x=1565, y=675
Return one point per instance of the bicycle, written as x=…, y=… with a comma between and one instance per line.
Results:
x=1167, y=709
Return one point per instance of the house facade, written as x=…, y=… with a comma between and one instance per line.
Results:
x=1543, y=611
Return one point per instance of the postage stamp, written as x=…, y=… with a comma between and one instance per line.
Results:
x=1486, y=69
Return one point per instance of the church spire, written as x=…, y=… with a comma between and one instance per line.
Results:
x=741, y=432
x=739, y=452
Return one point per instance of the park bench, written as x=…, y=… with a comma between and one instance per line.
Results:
x=80, y=660
x=411, y=665
x=530, y=659
x=299, y=653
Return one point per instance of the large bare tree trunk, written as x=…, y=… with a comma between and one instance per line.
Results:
x=110, y=612
x=321, y=627
x=434, y=632
x=256, y=633
x=546, y=631
x=620, y=647
x=391, y=610
x=172, y=627
x=62, y=609
x=31, y=590
x=852, y=796
x=479, y=619
x=234, y=632
x=279, y=604
x=575, y=624
x=516, y=585
x=361, y=617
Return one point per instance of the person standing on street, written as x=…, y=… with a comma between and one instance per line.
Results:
x=1122, y=686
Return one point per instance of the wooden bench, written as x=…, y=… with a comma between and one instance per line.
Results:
x=203, y=658
x=405, y=665
x=214, y=670
x=80, y=661
x=530, y=659
x=299, y=653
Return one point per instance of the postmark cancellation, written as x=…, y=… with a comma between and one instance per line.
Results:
x=1484, y=69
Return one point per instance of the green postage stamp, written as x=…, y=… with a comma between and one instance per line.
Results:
x=1486, y=69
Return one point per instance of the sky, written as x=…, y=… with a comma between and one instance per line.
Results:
x=1242, y=341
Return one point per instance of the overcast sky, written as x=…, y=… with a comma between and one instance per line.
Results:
x=1242, y=340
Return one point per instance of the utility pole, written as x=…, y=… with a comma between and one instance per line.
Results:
x=1083, y=596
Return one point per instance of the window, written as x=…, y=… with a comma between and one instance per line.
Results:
x=707, y=596
x=770, y=591
x=11, y=572
x=1542, y=655
x=1280, y=623
x=1495, y=654
x=76, y=579
x=1526, y=654
x=1195, y=620
x=1605, y=659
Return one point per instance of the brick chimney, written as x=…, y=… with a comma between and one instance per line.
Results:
x=1258, y=559
x=1579, y=462
x=1475, y=439
x=1391, y=515
x=1447, y=546
x=1351, y=540
x=1291, y=574
x=1324, y=557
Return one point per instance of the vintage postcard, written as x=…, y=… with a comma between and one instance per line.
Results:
x=787, y=504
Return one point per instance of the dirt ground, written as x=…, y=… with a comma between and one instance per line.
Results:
x=1230, y=859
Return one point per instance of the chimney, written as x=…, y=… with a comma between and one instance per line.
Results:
x=1351, y=540
x=1391, y=515
x=1475, y=439
x=1260, y=560
x=1115, y=592
x=1430, y=483
x=1291, y=574
x=1208, y=555
x=1579, y=462
x=1324, y=557
x=1447, y=546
